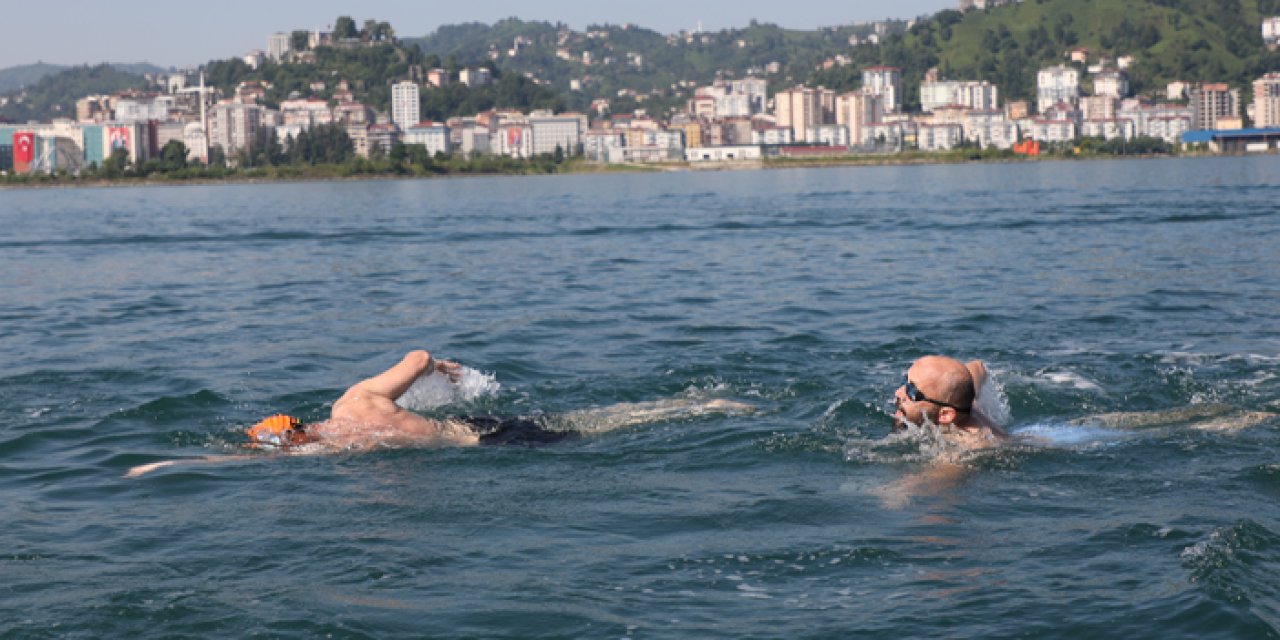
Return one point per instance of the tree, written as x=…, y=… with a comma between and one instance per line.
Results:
x=115, y=164
x=298, y=40
x=173, y=156
x=344, y=27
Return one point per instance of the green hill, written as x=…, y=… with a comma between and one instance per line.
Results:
x=54, y=96
x=1192, y=40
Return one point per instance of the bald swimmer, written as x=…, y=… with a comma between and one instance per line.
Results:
x=942, y=391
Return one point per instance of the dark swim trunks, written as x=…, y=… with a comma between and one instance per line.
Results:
x=529, y=432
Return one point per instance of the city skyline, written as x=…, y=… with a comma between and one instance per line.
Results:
x=101, y=32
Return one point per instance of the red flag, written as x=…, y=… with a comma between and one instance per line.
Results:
x=24, y=151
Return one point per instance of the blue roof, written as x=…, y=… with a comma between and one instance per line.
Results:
x=1208, y=135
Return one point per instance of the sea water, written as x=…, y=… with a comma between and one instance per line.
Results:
x=145, y=324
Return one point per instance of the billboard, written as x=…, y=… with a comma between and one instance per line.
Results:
x=24, y=151
x=118, y=137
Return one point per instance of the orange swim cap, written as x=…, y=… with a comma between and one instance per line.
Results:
x=279, y=431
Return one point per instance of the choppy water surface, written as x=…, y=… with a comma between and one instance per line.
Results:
x=140, y=324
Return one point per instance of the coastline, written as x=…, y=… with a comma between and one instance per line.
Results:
x=582, y=168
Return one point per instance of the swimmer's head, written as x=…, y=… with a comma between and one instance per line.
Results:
x=279, y=431
x=935, y=389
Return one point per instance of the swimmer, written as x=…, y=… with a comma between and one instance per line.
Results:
x=367, y=416
x=942, y=392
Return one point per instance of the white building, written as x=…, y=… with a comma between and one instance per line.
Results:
x=772, y=135
x=1046, y=130
x=885, y=82
x=277, y=46
x=939, y=137
x=990, y=128
x=1107, y=129
x=1165, y=121
x=405, y=104
x=971, y=94
x=550, y=132
x=738, y=153
x=799, y=108
x=1271, y=31
x=432, y=135
x=1266, y=101
x=1056, y=84
x=196, y=142
x=1112, y=83
x=143, y=109
x=480, y=77
x=514, y=139
x=832, y=135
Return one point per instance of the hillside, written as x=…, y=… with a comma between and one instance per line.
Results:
x=54, y=96
x=1171, y=40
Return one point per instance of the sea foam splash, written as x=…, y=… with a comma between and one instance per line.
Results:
x=436, y=390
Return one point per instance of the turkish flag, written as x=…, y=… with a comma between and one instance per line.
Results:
x=24, y=151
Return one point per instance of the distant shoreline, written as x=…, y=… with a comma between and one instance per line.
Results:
x=897, y=160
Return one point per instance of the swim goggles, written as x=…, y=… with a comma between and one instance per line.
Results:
x=915, y=394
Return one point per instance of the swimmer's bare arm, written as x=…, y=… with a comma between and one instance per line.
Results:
x=978, y=370
x=393, y=382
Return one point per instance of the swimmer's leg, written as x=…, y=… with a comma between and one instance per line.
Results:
x=629, y=414
x=1205, y=417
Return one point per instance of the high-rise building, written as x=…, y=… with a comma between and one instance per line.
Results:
x=405, y=104
x=277, y=45
x=1266, y=101
x=799, y=108
x=885, y=82
x=1055, y=85
x=1211, y=102
x=235, y=126
x=858, y=110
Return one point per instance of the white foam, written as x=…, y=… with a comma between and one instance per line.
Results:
x=1067, y=434
x=1072, y=379
x=435, y=390
x=992, y=402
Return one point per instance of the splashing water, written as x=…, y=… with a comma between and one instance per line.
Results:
x=435, y=390
x=992, y=403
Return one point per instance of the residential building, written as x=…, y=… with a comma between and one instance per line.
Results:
x=1111, y=83
x=438, y=77
x=432, y=135
x=379, y=138
x=405, y=104
x=799, y=108
x=990, y=128
x=254, y=59
x=277, y=46
x=1211, y=102
x=885, y=82
x=551, y=132
x=858, y=110
x=973, y=95
x=480, y=77
x=1271, y=31
x=235, y=126
x=939, y=137
x=1266, y=101
x=1107, y=128
x=831, y=135
x=1098, y=107
x=738, y=153
x=771, y=135
x=1056, y=84
x=1177, y=90
x=1046, y=130
x=1165, y=121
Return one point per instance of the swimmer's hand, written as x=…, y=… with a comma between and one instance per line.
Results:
x=449, y=369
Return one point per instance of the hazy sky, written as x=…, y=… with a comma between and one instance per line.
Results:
x=180, y=33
